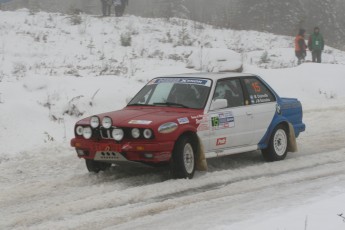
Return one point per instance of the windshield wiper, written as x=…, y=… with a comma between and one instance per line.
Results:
x=171, y=104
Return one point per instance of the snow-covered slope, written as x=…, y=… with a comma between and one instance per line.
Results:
x=52, y=73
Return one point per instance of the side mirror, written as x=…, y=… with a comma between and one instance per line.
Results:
x=219, y=104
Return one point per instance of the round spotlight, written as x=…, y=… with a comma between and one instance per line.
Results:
x=94, y=122
x=87, y=132
x=106, y=122
x=135, y=133
x=79, y=130
x=168, y=127
x=117, y=134
x=147, y=133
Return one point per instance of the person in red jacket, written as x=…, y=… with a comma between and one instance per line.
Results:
x=300, y=46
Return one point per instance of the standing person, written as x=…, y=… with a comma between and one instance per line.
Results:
x=106, y=7
x=118, y=7
x=124, y=3
x=316, y=45
x=300, y=46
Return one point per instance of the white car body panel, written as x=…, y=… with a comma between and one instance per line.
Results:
x=235, y=128
x=262, y=115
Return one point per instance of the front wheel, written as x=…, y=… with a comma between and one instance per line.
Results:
x=95, y=166
x=182, y=163
x=278, y=145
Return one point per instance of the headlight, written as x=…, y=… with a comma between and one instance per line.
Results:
x=94, y=122
x=147, y=133
x=167, y=127
x=106, y=122
x=135, y=133
x=79, y=130
x=87, y=132
x=117, y=134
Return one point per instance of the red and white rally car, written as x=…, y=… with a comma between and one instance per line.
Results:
x=182, y=120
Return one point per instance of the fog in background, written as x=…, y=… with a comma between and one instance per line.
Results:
x=276, y=16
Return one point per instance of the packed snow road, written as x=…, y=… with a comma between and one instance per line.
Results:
x=49, y=188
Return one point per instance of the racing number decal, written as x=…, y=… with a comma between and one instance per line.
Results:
x=215, y=121
x=256, y=87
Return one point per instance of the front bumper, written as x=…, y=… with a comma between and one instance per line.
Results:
x=112, y=152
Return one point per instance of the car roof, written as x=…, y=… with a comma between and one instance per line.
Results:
x=213, y=76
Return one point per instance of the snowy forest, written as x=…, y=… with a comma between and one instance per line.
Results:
x=276, y=16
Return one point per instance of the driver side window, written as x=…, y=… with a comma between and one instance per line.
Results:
x=231, y=90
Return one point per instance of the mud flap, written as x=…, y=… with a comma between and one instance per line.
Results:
x=292, y=145
x=201, y=163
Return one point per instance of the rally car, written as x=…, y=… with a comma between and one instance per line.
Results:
x=182, y=120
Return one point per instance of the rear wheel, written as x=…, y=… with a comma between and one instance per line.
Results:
x=95, y=166
x=182, y=163
x=278, y=144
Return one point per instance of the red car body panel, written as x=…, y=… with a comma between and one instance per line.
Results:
x=159, y=148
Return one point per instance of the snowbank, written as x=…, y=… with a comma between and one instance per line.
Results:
x=215, y=60
x=53, y=73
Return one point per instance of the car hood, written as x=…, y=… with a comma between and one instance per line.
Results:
x=139, y=116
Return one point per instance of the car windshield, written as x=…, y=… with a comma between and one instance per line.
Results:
x=174, y=92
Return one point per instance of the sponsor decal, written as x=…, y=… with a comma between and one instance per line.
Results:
x=278, y=109
x=222, y=121
x=197, y=116
x=252, y=99
x=201, y=118
x=191, y=81
x=183, y=120
x=261, y=98
x=221, y=141
x=194, y=81
x=140, y=122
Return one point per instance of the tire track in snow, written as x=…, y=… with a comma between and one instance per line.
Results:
x=165, y=191
x=117, y=215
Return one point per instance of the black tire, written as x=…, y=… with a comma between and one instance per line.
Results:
x=95, y=166
x=182, y=164
x=277, y=146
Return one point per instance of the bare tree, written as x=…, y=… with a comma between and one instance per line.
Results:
x=277, y=16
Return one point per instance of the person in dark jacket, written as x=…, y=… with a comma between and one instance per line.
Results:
x=124, y=5
x=316, y=45
x=300, y=46
x=120, y=6
x=106, y=7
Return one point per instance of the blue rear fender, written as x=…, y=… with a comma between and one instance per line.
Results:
x=289, y=111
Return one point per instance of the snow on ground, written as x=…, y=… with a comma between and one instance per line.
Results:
x=52, y=73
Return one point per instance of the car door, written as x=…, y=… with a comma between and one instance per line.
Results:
x=232, y=126
x=262, y=104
